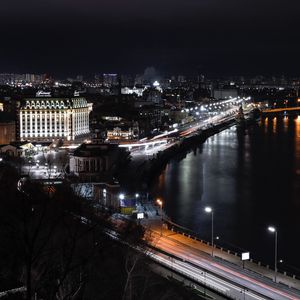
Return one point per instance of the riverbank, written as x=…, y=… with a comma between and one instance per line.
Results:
x=156, y=165
x=187, y=144
x=140, y=176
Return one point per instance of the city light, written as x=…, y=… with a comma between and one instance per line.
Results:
x=208, y=209
x=271, y=229
x=177, y=164
x=160, y=203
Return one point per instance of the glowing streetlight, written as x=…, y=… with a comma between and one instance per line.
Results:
x=272, y=229
x=160, y=203
x=121, y=196
x=209, y=210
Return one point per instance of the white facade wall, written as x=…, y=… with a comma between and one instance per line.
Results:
x=87, y=165
x=48, y=119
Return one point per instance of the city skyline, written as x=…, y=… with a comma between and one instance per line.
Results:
x=211, y=37
x=149, y=149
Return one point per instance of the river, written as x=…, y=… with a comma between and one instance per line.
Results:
x=251, y=179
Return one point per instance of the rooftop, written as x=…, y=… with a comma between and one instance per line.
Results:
x=95, y=149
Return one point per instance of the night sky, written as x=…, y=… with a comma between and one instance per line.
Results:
x=69, y=37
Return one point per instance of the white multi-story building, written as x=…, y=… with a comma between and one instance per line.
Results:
x=46, y=118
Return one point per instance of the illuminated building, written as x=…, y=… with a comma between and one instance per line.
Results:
x=46, y=118
x=123, y=132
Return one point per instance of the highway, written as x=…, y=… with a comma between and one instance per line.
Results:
x=219, y=275
x=204, y=116
x=186, y=258
x=205, y=278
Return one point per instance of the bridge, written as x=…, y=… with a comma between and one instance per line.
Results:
x=283, y=109
x=144, y=144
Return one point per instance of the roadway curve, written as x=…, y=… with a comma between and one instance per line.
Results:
x=194, y=262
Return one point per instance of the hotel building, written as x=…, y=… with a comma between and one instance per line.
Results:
x=46, y=119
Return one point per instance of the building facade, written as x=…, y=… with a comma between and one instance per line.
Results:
x=93, y=158
x=97, y=161
x=7, y=132
x=48, y=119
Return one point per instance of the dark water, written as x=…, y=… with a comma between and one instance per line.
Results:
x=252, y=180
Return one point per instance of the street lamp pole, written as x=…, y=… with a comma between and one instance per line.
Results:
x=160, y=203
x=210, y=210
x=274, y=230
x=212, y=233
x=275, y=254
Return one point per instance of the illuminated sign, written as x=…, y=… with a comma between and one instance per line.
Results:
x=43, y=94
x=140, y=216
x=246, y=256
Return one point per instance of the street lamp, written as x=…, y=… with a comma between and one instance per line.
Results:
x=210, y=211
x=273, y=230
x=160, y=203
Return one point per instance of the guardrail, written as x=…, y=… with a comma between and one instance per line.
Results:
x=229, y=251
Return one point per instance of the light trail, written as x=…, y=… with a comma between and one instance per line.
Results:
x=193, y=256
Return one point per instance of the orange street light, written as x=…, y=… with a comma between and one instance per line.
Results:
x=160, y=203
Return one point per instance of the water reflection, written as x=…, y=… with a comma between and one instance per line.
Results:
x=285, y=122
x=251, y=179
x=297, y=146
x=274, y=120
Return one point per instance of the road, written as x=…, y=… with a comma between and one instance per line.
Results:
x=205, y=278
x=211, y=115
x=224, y=277
x=224, y=272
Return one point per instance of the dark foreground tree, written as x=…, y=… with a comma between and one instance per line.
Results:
x=53, y=245
x=46, y=240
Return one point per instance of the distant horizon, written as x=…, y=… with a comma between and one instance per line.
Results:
x=211, y=75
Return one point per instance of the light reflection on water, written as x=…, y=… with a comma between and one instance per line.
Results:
x=251, y=179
